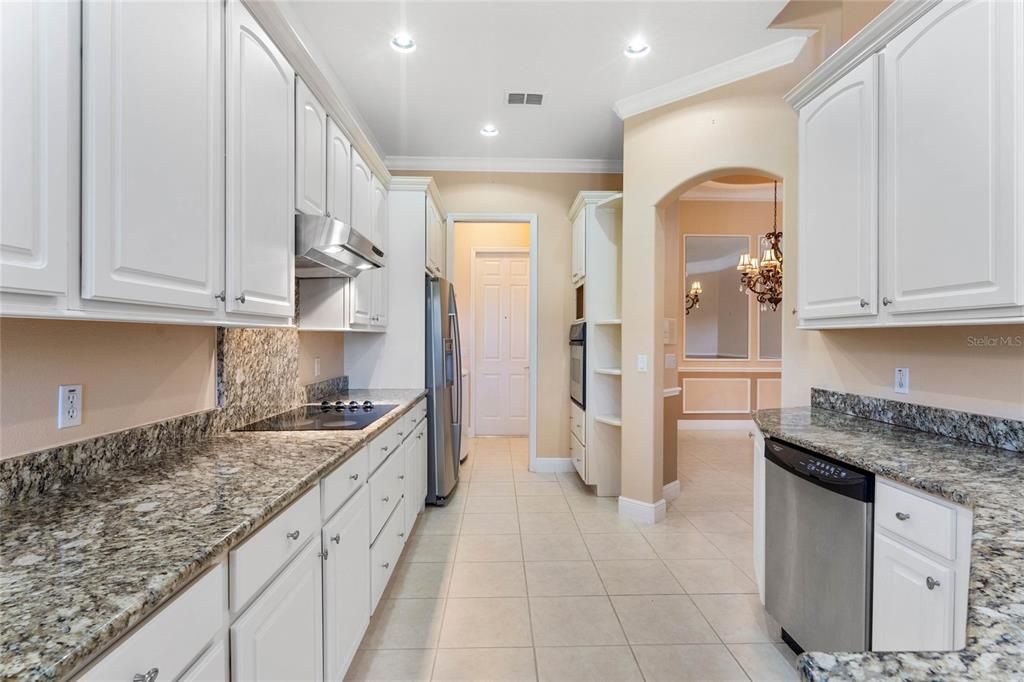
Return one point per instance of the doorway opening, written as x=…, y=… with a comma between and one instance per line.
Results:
x=494, y=267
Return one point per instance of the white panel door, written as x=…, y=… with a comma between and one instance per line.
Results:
x=579, y=246
x=912, y=600
x=280, y=637
x=339, y=173
x=153, y=152
x=501, y=341
x=379, y=236
x=346, y=538
x=838, y=263
x=953, y=105
x=39, y=108
x=310, y=152
x=260, y=179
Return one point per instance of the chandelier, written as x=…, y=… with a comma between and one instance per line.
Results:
x=763, y=278
x=693, y=297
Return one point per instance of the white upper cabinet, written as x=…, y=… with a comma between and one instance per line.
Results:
x=579, y=246
x=837, y=264
x=153, y=153
x=436, y=231
x=362, y=195
x=954, y=105
x=379, y=313
x=260, y=178
x=310, y=152
x=339, y=173
x=39, y=77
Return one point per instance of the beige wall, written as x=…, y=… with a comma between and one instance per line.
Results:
x=131, y=374
x=549, y=195
x=329, y=347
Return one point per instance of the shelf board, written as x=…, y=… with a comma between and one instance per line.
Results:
x=609, y=419
x=603, y=323
x=610, y=371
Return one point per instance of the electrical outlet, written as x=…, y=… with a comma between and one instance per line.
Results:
x=69, y=406
x=901, y=383
x=641, y=363
x=316, y=367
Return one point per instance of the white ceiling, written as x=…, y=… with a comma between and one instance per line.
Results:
x=432, y=102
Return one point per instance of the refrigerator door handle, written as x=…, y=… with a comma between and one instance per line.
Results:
x=457, y=388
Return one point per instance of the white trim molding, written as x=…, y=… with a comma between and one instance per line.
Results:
x=673, y=392
x=552, y=465
x=724, y=191
x=642, y=512
x=499, y=165
x=736, y=69
x=722, y=380
x=715, y=424
x=671, y=491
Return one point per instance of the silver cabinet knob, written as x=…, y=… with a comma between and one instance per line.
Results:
x=401, y=433
x=354, y=477
x=902, y=516
x=401, y=535
x=220, y=296
x=149, y=676
x=384, y=448
x=886, y=300
x=401, y=477
x=932, y=583
x=386, y=565
x=385, y=499
x=794, y=311
x=419, y=436
x=323, y=554
x=294, y=535
x=336, y=539
x=750, y=434
x=241, y=298
x=864, y=303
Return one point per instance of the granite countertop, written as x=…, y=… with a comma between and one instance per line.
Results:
x=83, y=564
x=988, y=480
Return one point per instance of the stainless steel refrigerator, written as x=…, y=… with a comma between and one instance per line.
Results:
x=444, y=390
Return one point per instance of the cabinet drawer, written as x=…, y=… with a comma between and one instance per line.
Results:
x=419, y=410
x=578, y=453
x=384, y=553
x=386, y=487
x=211, y=667
x=926, y=522
x=578, y=423
x=173, y=638
x=341, y=483
x=383, y=445
x=259, y=558
x=406, y=425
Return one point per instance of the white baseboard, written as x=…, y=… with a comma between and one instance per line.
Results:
x=642, y=512
x=715, y=424
x=551, y=465
x=671, y=491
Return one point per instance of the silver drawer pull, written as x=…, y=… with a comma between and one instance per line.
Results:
x=902, y=516
x=932, y=583
x=294, y=535
x=886, y=300
x=323, y=554
x=386, y=564
x=354, y=477
x=385, y=499
x=150, y=676
x=401, y=433
x=401, y=477
x=401, y=535
x=864, y=303
x=384, y=448
x=419, y=436
x=336, y=539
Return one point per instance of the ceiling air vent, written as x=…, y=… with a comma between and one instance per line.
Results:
x=534, y=98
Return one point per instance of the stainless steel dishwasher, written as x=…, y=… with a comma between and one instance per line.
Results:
x=818, y=523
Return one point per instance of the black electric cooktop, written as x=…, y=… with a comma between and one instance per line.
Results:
x=325, y=416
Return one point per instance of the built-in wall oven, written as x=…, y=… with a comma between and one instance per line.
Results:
x=578, y=364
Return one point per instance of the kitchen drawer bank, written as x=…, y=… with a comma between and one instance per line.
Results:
x=985, y=479
x=83, y=565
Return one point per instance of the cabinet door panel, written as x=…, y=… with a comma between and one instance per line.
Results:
x=379, y=314
x=837, y=264
x=261, y=224
x=310, y=152
x=39, y=77
x=211, y=666
x=906, y=614
x=152, y=155
x=362, y=195
x=339, y=173
x=280, y=637
x=346, y=583
x=953, y=127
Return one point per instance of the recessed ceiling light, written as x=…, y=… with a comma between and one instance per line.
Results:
x=637, y=48
x=403, y=42
x=489, y=130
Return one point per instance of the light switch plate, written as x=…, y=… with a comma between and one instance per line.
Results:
x=316, y=367
x=901, y=380
x=69, y=405
x=641, y=363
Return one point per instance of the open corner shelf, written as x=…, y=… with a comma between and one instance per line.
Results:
x=609, y=419
x=609, y=371
x=606, y=323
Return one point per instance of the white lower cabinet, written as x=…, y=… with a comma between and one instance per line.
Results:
x=578, y=453
x=212, y=666
x=415, y=474
x=280, y=637
x=346, y=542
x=384, y=553
x=759, y=512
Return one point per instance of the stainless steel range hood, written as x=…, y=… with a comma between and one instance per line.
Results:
x=325, y=247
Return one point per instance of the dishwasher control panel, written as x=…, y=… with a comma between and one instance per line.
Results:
x=814, y=466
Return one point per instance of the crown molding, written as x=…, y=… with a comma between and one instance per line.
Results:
x=871, y=39
x=590, y=196
x=414, y=183
x=739, y=68
x=500, y=165
x=721, y=191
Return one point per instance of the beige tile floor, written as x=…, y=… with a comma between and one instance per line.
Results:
x=529, y=576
